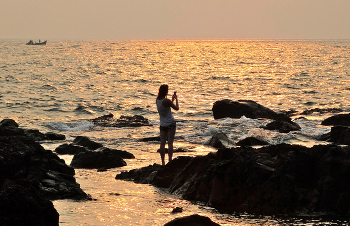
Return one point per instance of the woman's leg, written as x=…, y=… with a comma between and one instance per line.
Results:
x=171, y=135
x=163, y=137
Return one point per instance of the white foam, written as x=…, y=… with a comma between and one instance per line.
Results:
x=211, y=131
x=71, y=126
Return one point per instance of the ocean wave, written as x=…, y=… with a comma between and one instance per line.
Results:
x=71, y=126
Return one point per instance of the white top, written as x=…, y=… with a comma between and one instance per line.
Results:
x=166, y=118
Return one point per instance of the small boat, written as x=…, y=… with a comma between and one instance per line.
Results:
x=36, y=43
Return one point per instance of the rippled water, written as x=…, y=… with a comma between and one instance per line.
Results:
x=58, y=86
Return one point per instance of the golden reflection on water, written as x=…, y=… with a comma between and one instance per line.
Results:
x=123, y=77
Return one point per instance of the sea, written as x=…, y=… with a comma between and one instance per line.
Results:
x=58, y=87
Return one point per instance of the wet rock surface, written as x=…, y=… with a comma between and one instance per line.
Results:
x=192, y=220
x=220, y=140
x=89, y=154
x=21, y=203
x=339, y=120
x=282, y=126
x=104, y=158
x=338, y=135
x=124, y=121
x=21, y=157
x=272, y=180
x=251, y=141
x=30, y=176
x=248, y=108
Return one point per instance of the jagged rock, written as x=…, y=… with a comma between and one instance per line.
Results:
x=9, y=127
x=282, y=126
x=21, y=203
x=69, y=149
x=97, y=159
x=120, y=153
x=251, y=141
x=54, y=136
x=220, y=140
x=123, y=121
x=23, y=158
x=337, y=120
x=39, y=136
x=192, y=220
x=8, y=122
x=248, y=108
x=177, y=210
x=338, y=134
x=86, y=142
x=271, y=180
x=321, y=111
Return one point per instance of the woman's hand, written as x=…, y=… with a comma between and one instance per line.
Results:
x=174, y=97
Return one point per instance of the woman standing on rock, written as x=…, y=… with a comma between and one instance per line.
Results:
x=167, y=121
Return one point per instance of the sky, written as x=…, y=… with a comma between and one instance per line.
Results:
x=175, y=19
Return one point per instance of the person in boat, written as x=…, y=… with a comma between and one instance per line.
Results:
x=167, y=121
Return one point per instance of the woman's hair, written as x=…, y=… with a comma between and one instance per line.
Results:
x=163, y=91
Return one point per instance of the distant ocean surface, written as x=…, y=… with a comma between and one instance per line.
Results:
x=58, y=87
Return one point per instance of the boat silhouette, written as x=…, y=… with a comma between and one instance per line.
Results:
x=36, y=43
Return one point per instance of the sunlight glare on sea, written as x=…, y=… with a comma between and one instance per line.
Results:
x=61, y=86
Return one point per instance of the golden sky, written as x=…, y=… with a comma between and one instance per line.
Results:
x=184, y=19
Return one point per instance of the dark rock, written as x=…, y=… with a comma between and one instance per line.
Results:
x=120, y=153
x=177, y=210
x=39, y=136
x=337, y=120
x=271, y=180
x=175, y=150
x=338, y=134
x=11, y=131
x=282, y=126
x=69, y=149
x=251, y=141
x=193, y=220
x=147, y=139
x=220, y=140
x=23, y=204
x=321, y=111
x=123, y=121
x=248, y=108
x=103, y=118
x=23, y=158
x=54, y=136
x=8, y=122
x=86, y=142
x=97, y=159
x=35, y=134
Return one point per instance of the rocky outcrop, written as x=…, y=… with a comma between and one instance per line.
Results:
x=321, y=111
x=248, y=108
x=89, y=154
x=282, y=126
x=272, y=180
x=337, y=120
x=338, y=134
x=69, y=149
x=30, y=177
x=21, y=203
x=9, y=127
x=251, y=141
x=22, y=158
x=123, y=121
x=39, y=136
x=220, y=140
x=104, y=158
x=192, y=220
x=86, y=142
